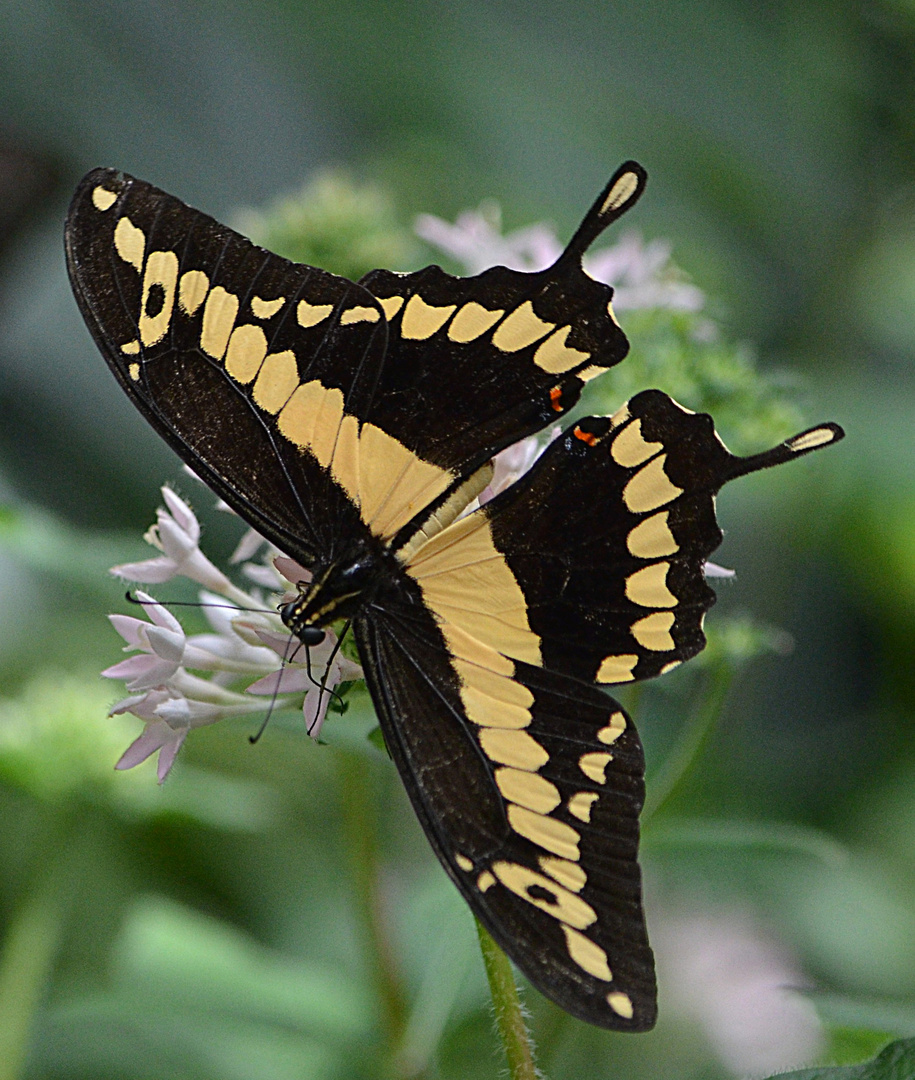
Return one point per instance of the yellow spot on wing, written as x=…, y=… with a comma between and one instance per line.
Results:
x=650, y=487
x=594, y=765
x=485, y=881
x=648, y=587
x=546, y=832
x=471, y=321
x=467, y=582
x=568, y=874
x=134, y=370
x=266, y=309
x=246, y=352
x=555, y=356
x=495, y=682
x=528, y=789
x=129, y=242
x=488, y=711
x=621, y=192
x=565, y=905
x=218, y=321
x=581, y=804
x=520, y=329
x=394, y=483
x=587, y=954
x=591, y=372
x=390, y=305
x=276, y=380
x=192, y=290
x=616, y=669
x=103, y=199
x=817, y=437
x=516, y=748
x=297, y=419
x=346, y=462
x=161, y=270
x=327, y=425
x=621, y=1004
x=312, y=314
x=421, y=320
x=629, y=448
x=653, y=632
x=131, y=348
x=615, y=727
x=359, y=314
x=652, y=537
x=463, y=862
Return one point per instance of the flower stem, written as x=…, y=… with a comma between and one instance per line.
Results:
x=516, y=1039
x=695, y=735
x=29, y=949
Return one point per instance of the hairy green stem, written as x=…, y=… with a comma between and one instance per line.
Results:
x=516, y=1040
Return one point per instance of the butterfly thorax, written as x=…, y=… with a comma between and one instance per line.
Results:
x=340, y=590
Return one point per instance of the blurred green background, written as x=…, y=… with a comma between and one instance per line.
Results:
x=212, y=928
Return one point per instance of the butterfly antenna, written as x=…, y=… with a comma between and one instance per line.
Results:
x=194, y=604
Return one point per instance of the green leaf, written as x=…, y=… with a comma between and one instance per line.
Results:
x=769, y=835
x=895, y=1062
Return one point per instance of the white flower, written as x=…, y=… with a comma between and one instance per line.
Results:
x=171, y=711
x=176, y=534
x=308, y=669
x=740, y=984
x=247, y=644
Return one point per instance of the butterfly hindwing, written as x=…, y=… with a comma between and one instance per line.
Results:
x=592, y=563
x=480, y=362
x=553, y=771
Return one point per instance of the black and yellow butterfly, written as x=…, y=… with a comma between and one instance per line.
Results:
x=352, y=424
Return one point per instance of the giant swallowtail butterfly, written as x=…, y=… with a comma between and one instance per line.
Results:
x=351, y=424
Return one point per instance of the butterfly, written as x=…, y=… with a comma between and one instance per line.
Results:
x=353, y=425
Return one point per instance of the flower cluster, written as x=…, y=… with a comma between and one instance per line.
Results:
x=248, y=643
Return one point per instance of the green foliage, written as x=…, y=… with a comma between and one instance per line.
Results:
x=686, y=355
x=896, y=1062
x=334, y=223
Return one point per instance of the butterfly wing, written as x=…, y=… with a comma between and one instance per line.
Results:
x=478, y=363
x=527, y=778
x=537, y=826
x=349, y=422
x=238, y=358
x=592, y=564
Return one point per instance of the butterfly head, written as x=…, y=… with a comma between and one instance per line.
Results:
x=338, y=591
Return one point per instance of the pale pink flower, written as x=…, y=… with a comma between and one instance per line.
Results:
x=302, y=671
x=741, y=985
x=176, y=534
